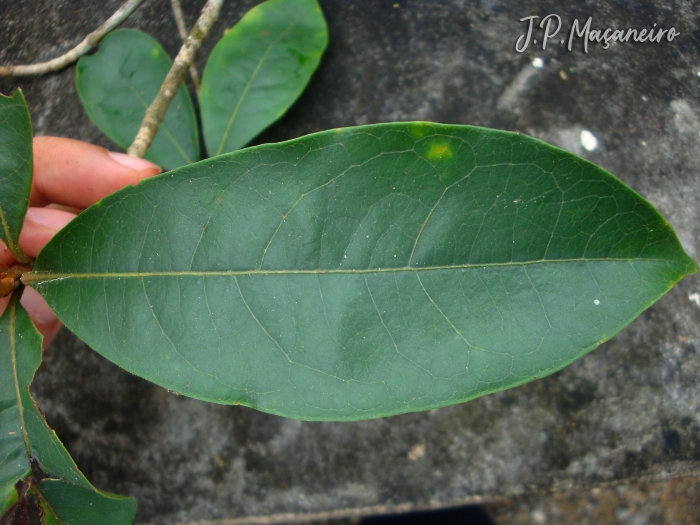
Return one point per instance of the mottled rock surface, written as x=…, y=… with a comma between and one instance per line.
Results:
x=629, y=409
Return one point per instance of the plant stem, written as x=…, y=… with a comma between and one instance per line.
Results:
x=74, y=54
x=168, y=90
x=182, y=29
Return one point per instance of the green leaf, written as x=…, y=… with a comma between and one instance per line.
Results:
x=25, y=438
x=16, y=169
x=258, y=69
x=361, y=272
x=120, y=81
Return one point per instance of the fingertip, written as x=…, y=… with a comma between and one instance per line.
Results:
x=3, y=303
x=37, y=308
x=143, y=166
x=49, y=332
x=45, y=321
x=6, y=257
x=40, y=225
x=74, y=173
x=50, y=218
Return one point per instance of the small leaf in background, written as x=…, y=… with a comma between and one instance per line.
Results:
x=361, y=272
x=30, y=450
x=120, y=81
x=258, y=69
x=16, y=168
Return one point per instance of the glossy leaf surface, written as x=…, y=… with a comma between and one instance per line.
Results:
x=25, y=437
x=361, y=272
x=258, y=69
x=120, y=81
x=16, y=168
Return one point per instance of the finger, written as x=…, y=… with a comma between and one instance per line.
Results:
x=77, y=174
x=43, y=317
x=3, y=303
x=40, y=224
x=6, y=257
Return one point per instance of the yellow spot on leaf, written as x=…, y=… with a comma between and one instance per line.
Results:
x=155, y=52
x=419, y=130
x=439, y=151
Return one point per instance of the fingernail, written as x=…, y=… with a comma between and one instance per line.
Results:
x=135, y=163
x=53, y=219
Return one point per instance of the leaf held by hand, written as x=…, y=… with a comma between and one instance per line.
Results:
x=362, y=272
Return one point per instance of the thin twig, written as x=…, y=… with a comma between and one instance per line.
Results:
x=74, y=54
x=183, y=60
x=182, y=29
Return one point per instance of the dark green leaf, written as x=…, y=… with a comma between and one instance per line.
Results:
x=16, y=169
x=258, y=69
x=25, y=437
x=361, y=272
x=120, y=81
x=76, y=504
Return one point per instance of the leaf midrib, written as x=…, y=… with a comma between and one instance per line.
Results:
x=40, y=276
x=15, y=377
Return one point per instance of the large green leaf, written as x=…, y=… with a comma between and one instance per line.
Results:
x=25, y=438
x=258, y=69
x=16, y=169
x=361, y=272
x=120, y=81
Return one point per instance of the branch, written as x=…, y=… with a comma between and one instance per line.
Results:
x=183, y=60
x=182, y=29
x=74, y=54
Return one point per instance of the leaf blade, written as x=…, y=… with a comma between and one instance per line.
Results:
x=75, y=504
x=26, y=436
x=362, y=272
x=120, y=81
x=16, y=169
x=258, y=69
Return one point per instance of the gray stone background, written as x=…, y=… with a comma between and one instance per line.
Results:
x=628, y=410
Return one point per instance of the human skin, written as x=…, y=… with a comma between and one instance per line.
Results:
x=69, y=176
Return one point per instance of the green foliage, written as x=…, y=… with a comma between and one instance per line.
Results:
x=120, y=81
x=258, y=69
x=30, y=452
x=16, y=168
x=254, y=74
x=361, y=272
x=345, y=275
x=36, y=471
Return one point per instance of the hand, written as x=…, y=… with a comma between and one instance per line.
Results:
x=69, y=176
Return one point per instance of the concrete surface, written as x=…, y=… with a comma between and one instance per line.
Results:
x=627, y=410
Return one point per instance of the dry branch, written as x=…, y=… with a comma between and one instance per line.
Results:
x=74, y=54
x=183, y=60
x=182, y=29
